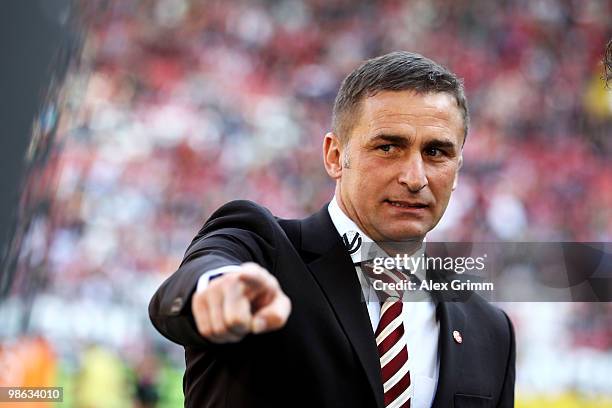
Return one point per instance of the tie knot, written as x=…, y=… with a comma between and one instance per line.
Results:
x=385, y=281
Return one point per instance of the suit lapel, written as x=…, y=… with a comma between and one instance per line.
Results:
x=334, y=271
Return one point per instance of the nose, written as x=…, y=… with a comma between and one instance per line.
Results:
x=413, y=174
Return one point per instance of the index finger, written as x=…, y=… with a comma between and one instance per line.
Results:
x=257, y=281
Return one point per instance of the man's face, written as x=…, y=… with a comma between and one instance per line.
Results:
x=403, y=153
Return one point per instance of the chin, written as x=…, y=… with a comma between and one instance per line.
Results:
x=410, y=234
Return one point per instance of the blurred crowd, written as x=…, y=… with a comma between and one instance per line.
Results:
x=178, y=106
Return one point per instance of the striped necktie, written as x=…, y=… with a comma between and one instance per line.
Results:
x=393, y=353
x=390, y=339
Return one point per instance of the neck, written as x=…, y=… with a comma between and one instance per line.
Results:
x=407, y=246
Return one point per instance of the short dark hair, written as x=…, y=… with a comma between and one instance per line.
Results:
x=607, y=61
x=396, y=71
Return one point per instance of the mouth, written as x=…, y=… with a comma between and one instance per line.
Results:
x=408, y=205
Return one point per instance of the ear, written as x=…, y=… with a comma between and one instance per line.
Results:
x=332, y=155
x=456, y=179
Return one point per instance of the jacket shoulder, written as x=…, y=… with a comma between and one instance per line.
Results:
x=240, y=206
x=241, y=214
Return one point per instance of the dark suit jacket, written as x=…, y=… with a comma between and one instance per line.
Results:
x=326, y=354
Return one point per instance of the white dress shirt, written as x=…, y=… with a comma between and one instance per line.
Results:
x=420, y=324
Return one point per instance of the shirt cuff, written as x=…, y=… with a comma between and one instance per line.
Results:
x=206, y=277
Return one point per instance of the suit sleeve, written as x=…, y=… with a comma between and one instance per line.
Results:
x=238, y=232
x=506, y=399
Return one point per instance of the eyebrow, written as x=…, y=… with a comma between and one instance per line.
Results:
x=405, y=141
x=398, y=140
x=441, y=144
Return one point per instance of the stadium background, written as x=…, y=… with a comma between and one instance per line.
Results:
x=173, y=107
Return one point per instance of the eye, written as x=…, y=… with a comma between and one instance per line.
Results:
x=386, y=148
x=433, y=151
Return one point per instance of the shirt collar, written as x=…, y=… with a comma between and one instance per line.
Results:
x=360, y=246
x=352, y=236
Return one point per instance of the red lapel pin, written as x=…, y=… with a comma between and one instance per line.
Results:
x=457, y=337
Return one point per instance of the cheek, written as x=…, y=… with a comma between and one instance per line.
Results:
x=368, y=178
x=442, y=182
x=356, y=185
x=375, y=182
x=365, y=187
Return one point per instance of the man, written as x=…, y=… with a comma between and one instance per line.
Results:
x=271, y=311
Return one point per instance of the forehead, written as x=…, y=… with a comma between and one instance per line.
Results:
x=408, y=111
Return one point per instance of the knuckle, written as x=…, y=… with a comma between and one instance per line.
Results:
x=229, y=278
x=230, y=323
x=217, y=327
x=199, y=313
x=217, y=285
x=240, y=287
x=233, y=321
x=197, y=301
x=218, y=331
x=205, y=331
